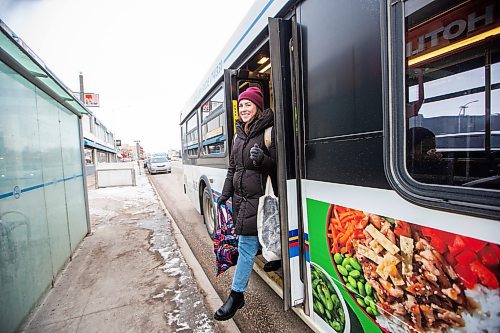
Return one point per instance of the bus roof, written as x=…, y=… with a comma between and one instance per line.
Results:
x=252, y=25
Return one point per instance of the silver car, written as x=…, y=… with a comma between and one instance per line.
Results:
x=159, y=164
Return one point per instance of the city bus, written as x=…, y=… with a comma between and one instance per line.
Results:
x=386, y=120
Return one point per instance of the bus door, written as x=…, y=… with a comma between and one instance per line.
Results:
x=283, y=41
x=236, y=81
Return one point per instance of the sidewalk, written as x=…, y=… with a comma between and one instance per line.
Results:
x=128, y=275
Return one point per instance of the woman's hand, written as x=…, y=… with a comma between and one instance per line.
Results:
x=256, y=154
x=222, y=200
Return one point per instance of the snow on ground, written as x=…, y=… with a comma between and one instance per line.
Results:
x=139, y=205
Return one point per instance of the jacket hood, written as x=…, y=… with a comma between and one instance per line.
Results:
x=257, y=126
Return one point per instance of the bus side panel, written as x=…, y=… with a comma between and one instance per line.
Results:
x=191, y=181
x=193, y=174
x=405, y=253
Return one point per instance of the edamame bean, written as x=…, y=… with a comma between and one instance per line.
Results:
x=328, y=315
x=374, y=310
x=320, y=294
x=315, y=283
x=345, y=279
x=368, y=288
x=355, y=264
x=369, y=311
x=346, y=261
x=336, y=326
x=350, y=288
x=361, y=288
x=328, y=299
x=338, y=258
x=348, y=267
x=320, y=307
x=368, y=299
x=354, y=274
x=360, y=302
x=353, y=282
x=342, y=270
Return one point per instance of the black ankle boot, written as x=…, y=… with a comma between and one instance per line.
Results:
x=234, y=302
x=272, y=266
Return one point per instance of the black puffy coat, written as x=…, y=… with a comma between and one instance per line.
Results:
x=245, y=182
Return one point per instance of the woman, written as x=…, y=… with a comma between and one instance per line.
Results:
x=249, y=165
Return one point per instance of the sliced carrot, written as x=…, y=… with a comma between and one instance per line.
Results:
x=347, y=234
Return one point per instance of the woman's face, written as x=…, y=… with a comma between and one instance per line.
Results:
x=247, y=110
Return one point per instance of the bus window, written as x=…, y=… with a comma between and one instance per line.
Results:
x=212, y=128
x=213, y=105
x=192, y=136
x=449, y=95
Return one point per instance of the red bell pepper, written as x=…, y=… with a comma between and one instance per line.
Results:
x=468, y=278
x=450, y=258
x=431, y=232
x=488, y=256
x=438, y=244
x=486, y=277
x=474, y=244
x=457, y=245
x=496, y=248
x=466, y=257
x=402, y=229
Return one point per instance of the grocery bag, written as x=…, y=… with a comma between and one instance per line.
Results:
x=225, y=241
x=268, y=224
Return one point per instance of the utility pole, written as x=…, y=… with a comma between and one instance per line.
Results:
x=81, y=88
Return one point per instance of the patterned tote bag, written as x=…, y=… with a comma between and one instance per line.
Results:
x=225, y=241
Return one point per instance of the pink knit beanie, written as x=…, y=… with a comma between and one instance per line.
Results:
x=254, y=95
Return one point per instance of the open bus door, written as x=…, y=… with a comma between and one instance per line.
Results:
x=236, y=81
x=282, y=43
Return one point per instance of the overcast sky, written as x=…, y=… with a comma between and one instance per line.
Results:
x=144, y=58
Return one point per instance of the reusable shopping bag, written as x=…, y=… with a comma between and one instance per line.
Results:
x=225, y=240
x=268, y=224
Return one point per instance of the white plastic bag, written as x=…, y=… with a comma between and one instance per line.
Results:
x=268, y=224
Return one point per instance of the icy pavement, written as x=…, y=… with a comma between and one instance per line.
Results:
x=139, y=206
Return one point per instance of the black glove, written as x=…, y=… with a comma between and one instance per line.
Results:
x=222, y=200
x=256, y=154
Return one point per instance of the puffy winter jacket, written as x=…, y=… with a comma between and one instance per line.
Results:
x=245, y=182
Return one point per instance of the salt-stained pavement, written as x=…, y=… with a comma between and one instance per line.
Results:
x=128, y=275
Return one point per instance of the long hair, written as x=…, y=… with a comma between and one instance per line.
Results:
x=248, y=124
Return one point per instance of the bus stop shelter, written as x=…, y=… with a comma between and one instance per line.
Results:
x=43, y=198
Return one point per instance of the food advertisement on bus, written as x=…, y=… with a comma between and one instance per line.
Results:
x=375, y=273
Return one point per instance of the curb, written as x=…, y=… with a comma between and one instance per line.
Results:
x=212, y=299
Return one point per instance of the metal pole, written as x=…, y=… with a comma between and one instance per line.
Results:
x=137, y=147
x=81, y=88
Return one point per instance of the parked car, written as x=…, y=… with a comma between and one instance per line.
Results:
x=159, y=164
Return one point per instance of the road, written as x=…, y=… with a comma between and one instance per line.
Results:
x=263, y=311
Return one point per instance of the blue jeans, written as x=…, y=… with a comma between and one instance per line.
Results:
x=247, y=249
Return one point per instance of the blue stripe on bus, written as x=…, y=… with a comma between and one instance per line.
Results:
x=249, y=28
x=306, y=246
x=34, y=187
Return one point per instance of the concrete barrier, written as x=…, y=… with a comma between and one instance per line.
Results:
x=115, y=174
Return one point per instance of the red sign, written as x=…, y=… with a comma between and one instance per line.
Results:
x=90, y=99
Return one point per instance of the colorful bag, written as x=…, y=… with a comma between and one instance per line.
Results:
x=225, y=240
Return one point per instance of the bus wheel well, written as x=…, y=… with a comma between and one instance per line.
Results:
x=200, y=195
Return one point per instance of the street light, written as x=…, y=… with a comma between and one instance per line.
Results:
x=462, y=111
